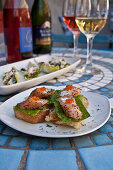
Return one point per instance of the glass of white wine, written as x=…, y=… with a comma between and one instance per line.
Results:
x=91, y=17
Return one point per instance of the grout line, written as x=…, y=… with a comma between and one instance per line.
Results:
x=110, y=137
x=80, y=163
x=25, y=148
x=92, y=140
x=8, y=141
x=50, y=144
x=72, y=143
x=22, y=165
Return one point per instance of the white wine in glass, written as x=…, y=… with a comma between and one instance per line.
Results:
x=91, y=26
x=91, y=17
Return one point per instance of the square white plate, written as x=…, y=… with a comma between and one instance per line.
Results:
x=99, y=109
x=23, y=85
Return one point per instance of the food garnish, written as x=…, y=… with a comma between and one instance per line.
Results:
x=69, y=87
x=11, y=77
x=31, y=71
x=42, y=89
x=35, y=98
x=69, y=101
x=54, y=65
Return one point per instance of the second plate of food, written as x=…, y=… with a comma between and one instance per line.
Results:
x=98, y=109
x=25, y=74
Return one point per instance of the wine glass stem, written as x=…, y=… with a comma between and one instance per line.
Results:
x=89, y=54
x=75, y=37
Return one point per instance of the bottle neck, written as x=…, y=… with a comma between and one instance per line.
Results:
x=16, y=4
x=41, y=2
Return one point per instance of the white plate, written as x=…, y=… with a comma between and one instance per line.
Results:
x=99, y=110
x=23, y=85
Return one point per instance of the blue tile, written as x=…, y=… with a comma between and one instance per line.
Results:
x=18, y=142
x=111, y=83
x=110, y=119
x=110, y=86
x=102, y=139
x=39, y=143
x=95, y=132
x=52, y=160
x=82, y=141
x=111, y=134
x=104, y=89
x=106, y=128
x=4, y=98
x=77, y=81
x=111, y=92
x=10, y=131
x=97, y=158
x=97, y=91
x=111, y=114
x=57, y=84
x=112, y=124
x=85, y=77
x=107, y=95
x=61, y=143
x=10, y=159
x=1, y=127
x=46, y=84
x=68, y=83
x=3, y=140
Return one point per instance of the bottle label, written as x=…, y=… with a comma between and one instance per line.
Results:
x=43, y=34
x=26, y=42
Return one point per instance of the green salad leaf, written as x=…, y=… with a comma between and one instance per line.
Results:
x=32, y=76
x=84, y=111
x=59, y=111
x=29, y=111
x=48, y=68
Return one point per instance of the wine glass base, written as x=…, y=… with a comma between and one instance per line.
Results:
x=93, y=71
x=90, y=71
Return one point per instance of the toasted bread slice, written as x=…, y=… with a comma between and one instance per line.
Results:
x=52, y=117
x=39, y=118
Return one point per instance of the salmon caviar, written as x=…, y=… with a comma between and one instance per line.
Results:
x=42, y=89
x=35, y=98
x=69, y=101
x=69, y=87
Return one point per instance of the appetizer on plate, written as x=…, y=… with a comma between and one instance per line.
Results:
x=62, y=107
x=54, y=65
x=35, y=108
x=11, y=77
x=70, y=107
x=31, y=71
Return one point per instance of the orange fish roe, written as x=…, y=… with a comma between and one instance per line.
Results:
x=35, y=98
x=42, y=89
x=69, y=87
x=69, y=101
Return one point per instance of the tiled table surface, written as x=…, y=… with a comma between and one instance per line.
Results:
x=93, y=151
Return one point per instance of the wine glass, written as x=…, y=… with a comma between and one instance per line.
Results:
x=91, y=17
x=69, y=20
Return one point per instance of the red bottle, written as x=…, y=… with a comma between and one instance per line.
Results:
x=18, y=30
x=1, y=22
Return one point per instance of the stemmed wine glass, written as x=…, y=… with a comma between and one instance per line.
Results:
x=91, y=17
x=69, y=20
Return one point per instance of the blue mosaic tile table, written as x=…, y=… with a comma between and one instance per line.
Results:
x=93, y=151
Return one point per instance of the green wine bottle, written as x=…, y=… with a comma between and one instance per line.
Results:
x=41, y=24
